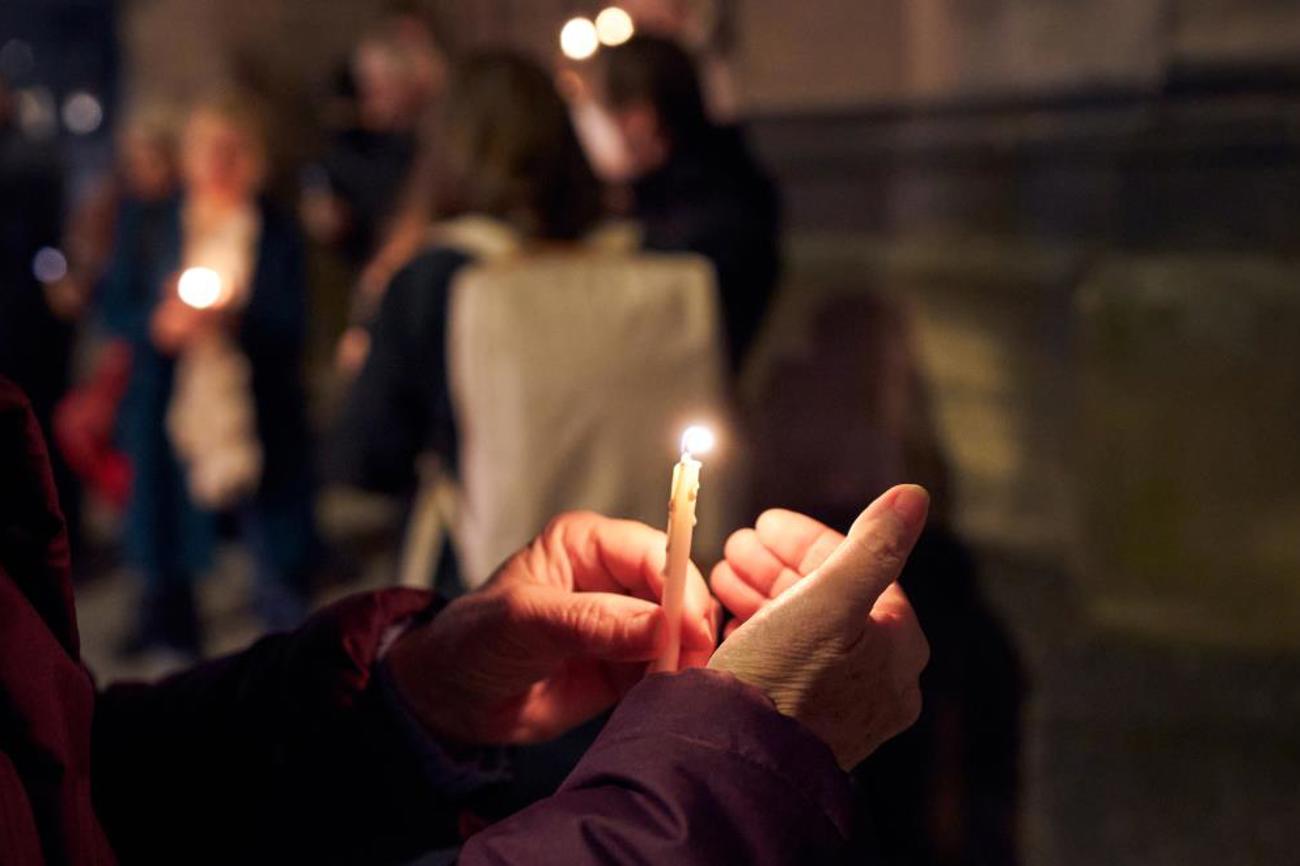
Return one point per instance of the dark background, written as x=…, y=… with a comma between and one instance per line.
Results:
x=1079, y=221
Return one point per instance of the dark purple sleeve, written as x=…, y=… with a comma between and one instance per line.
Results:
x=693, y=768
x=283, y=753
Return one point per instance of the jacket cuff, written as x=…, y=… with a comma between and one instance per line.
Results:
x=337, y=649
x=454, y=777
x=715, y=710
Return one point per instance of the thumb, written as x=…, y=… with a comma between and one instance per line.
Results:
x=599, y=625
x=872, y=556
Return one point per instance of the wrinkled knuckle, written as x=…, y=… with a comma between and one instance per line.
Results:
x=592, y=622
x=508, y=604
x=561, y=525
x=887, y=549
x=732, y=548
x=555, y=526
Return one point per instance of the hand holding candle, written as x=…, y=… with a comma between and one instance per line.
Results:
x=560, y=633
x=681, y=527
x=198, y=297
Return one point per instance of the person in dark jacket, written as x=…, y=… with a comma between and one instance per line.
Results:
x=696, y=186
x=169, y=538
x=365, y=736
x=352, y=197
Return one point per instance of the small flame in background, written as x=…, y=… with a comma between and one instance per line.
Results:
x=581, y=38
x=614, y=26
x=697, y=440
x=578, y=39
x=200, y=288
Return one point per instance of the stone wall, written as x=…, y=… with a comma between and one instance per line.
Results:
x=847, y=54
x=1102, y=292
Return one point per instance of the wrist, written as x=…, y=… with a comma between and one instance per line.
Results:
x=456, y=769
x=430, y=667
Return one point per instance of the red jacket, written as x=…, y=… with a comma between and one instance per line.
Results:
x=288, y=753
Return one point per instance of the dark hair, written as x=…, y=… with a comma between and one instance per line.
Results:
x=657, y=71
x=508, y=150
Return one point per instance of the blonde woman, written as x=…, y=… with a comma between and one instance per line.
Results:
x=239, y=360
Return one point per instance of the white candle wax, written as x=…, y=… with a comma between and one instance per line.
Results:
x=681, y=526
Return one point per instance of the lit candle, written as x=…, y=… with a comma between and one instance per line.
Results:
x=681, y=525
x=199, y=288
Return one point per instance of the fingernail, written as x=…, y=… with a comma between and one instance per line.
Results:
x=910, y=503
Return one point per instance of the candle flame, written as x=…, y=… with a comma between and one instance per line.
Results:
x=578, y=39
x=200, y=288
x=697, y=440
x=614, y=26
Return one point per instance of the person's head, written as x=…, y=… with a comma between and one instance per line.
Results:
x=147, y=152
x=223, y=149
x=397, y=68
x=653, y=93
x=509, y=151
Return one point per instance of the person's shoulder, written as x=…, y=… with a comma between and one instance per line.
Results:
x=419, y=290
x=433, y=264
x=417, y=296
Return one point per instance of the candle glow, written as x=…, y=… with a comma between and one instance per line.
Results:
x=578, y=38
x=697, y=440
x=199, y=288
x=614, y=26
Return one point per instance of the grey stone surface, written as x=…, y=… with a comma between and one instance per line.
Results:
x=1158, y=630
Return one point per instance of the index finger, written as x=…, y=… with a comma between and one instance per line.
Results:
x=800, y=542
x=609, y=555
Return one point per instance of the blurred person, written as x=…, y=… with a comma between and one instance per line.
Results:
x=706, y=29
x=143, y=184
x=402, y=240
x=143, y=177
x=214, y=417
x=349, y=199
x=369, y=734
x=368, y=197
x=695, y=185
x=520, y=260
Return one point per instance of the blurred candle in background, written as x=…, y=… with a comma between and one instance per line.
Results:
x=614, y=26
x=578, y=39
x=199, y=288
